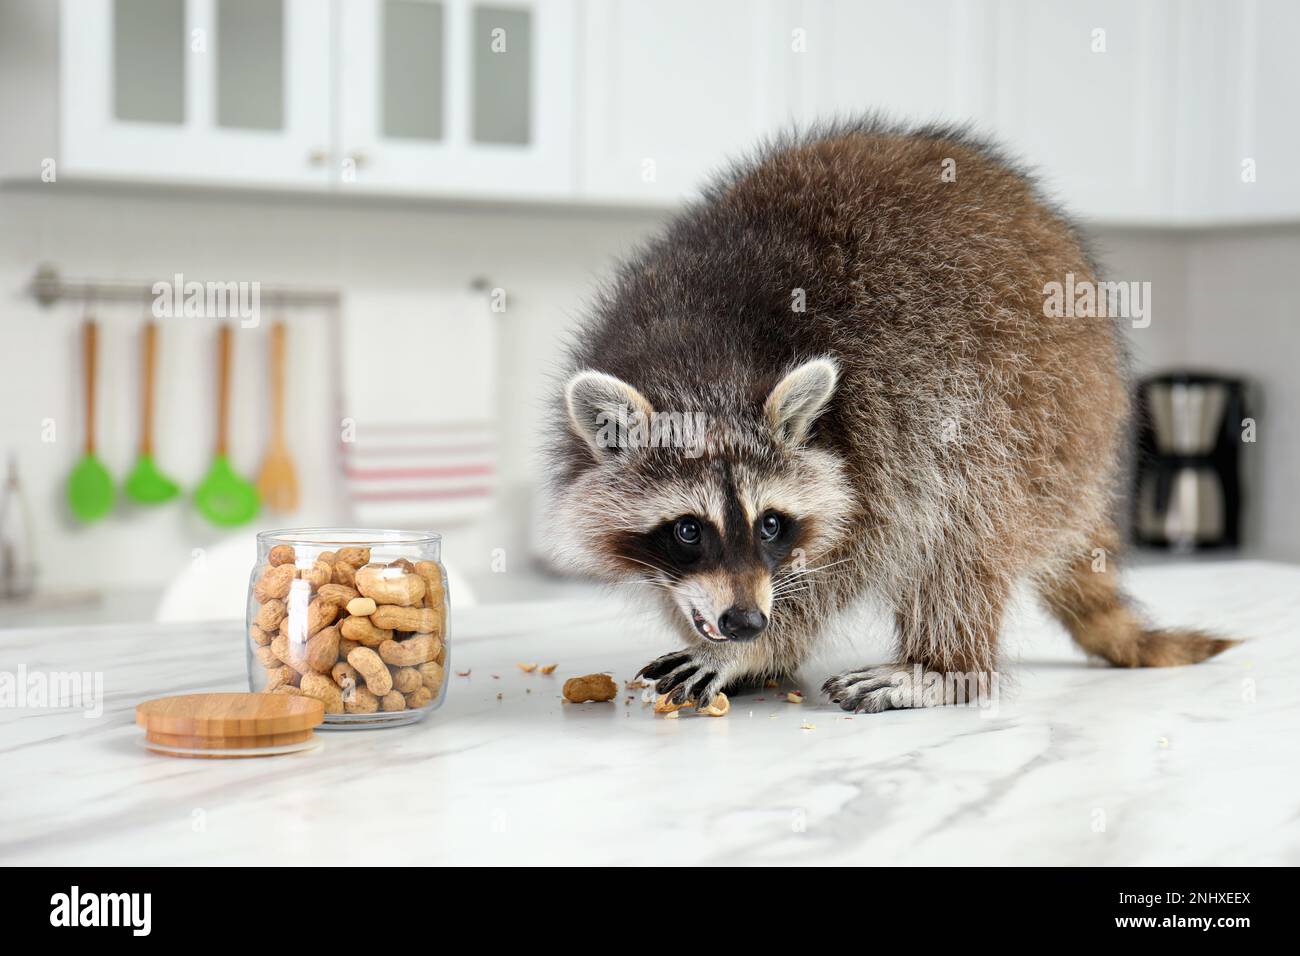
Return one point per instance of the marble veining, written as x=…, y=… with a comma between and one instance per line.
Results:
x=1076, y=764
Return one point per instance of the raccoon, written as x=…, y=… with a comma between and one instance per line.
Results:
x=833, y=379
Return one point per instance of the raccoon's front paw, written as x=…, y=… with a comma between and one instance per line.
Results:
x=884, y=687
x=688, y=675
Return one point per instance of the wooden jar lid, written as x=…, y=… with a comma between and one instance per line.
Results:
x=229, y=721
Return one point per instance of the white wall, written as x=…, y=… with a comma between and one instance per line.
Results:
x=1220, y=299
x=1244, y=316
x=1158, y=257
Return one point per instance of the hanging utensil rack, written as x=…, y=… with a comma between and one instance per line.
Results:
x=49, y=287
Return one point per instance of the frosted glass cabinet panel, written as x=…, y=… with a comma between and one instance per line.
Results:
x=501, y=48
x=250, y=64
x=149, y=61
x=413, y=69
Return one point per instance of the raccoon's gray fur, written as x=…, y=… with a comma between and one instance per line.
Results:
x=865, y=339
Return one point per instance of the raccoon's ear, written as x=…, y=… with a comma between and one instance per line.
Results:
x=799, y=398
x=597, y=403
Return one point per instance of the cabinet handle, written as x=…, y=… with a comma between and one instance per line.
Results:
x=318, y=157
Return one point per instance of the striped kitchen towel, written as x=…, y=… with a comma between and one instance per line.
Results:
x=419, y=397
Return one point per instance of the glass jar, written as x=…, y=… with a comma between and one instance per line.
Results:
x=355, y=618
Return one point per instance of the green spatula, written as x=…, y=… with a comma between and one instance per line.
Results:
x=222, y=496
x=90, y=486
x=146, y=484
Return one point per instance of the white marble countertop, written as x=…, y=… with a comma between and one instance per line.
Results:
x=1079, y=765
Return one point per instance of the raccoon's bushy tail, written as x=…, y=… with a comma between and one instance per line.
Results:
x=1088, y=601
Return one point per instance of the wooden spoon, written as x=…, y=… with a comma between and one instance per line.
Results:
x=278, y=482
x=90, y=486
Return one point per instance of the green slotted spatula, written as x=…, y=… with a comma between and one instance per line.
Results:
x=146, y=484
x=223, y=497
x=90, y=486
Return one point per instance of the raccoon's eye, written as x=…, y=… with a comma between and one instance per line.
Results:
x=769, y=526
x=687, y=531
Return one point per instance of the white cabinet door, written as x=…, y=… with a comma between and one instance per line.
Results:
x=1242, y=167
x=213, y=91
x=457, y=97
x=1085, y=95
x=674, y=89
x=919, y=62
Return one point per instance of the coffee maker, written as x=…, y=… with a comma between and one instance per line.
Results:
x=1187, y=483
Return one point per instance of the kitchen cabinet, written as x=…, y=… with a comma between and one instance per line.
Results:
x=666, y=108
x=673, y=89
x=226, y=91
x=1164, y=113
x=457, y=98
x=922, y=61
x=1239, y=84
x=436, y=97
x=1085, y=94
x=1158, y=113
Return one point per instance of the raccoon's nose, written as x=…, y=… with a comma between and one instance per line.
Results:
x=742, y=623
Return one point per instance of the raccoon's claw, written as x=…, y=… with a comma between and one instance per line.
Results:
x=675, y=679
x=706, y=688
x=662, y=665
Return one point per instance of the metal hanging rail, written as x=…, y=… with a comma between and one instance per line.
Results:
x=48, y=287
